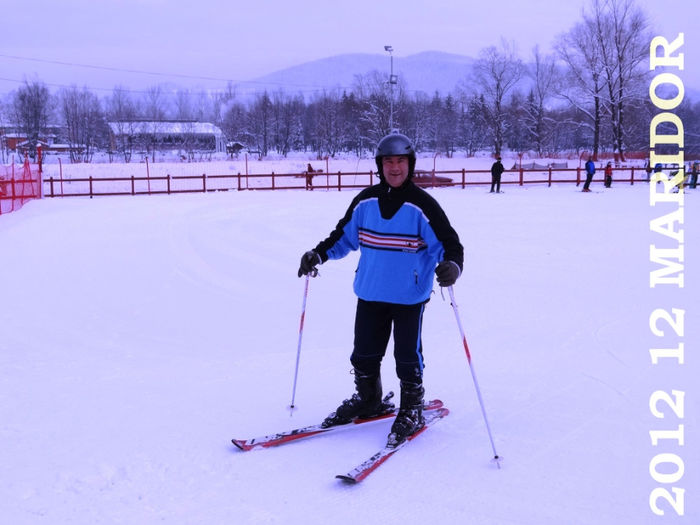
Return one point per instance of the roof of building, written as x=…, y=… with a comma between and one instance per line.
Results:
x=171, y=127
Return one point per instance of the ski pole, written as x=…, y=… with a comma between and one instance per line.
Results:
x=301, y=331
x=496, y=457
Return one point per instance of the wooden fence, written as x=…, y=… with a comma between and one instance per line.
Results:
x=173, y=184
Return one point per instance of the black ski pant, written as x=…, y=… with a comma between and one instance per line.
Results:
x=589, y=178
x=496, y=181
x=373, y=327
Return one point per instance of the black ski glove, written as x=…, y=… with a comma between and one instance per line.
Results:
x=308, y=263
x=447, y=273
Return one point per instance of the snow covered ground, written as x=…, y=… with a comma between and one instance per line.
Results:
x=139, y=335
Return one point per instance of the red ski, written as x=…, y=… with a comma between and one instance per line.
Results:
x=365, y=468
x=282, y=438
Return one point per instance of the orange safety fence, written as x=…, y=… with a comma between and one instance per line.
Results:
x=18, y=186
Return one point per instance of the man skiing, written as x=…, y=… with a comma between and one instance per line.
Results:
x=590, y=171
x=404, y=237
x=496, y=172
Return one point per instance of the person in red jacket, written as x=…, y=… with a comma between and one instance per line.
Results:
x=608, y=175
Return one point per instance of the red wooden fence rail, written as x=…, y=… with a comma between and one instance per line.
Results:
x=173, y=184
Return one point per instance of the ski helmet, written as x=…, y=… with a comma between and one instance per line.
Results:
x=395, y=144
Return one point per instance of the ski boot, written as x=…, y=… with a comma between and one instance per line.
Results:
x=365, y=402
x=410, y=419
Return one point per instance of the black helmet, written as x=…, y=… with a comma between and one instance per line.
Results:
x=395, y=144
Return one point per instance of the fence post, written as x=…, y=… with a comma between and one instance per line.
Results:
x=60, y=173
x=204, y=182
x=464, y=179
x=578, y=175
x=239, y=181
x=521, y=175
x=90, y=179
x=632, y=177
x=168, y=180
x=273, y=180
x=132, y=185
x=148, y=175
x=549, y=181
x=51, y=185
x=339, y=179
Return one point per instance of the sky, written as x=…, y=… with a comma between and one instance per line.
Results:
x=210, y=42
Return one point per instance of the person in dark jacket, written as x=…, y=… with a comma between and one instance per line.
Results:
x=590, y=171
x=404, y=238
x=496, y=172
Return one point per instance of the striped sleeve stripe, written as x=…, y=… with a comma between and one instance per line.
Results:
x=406, y=243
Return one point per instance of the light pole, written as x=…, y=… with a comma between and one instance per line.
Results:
x=392, y=80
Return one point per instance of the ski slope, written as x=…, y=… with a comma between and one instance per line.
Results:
x=139, y=335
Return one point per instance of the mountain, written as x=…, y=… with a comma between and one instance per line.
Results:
x=428, y=71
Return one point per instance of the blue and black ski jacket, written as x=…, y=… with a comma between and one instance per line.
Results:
x=402, y=234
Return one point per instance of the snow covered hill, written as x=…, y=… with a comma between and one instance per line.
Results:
x=139, y=335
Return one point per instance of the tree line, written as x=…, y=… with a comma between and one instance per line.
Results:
x=590, y=94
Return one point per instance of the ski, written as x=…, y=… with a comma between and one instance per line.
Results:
x=282, y=438
x=365, y=468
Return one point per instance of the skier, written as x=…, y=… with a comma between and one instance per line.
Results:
x=496, y=172
x=608, y=175
x=590, y=171
x=404, y=237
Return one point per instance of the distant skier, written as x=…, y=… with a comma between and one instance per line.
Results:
x=496, y=172
x=310, y=177
x=590, y=171
x=608, y=175
x=404, y=237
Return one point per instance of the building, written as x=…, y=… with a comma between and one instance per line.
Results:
x=13, y=139
x=188, y=136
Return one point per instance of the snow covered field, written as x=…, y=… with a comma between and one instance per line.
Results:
x=139, y=335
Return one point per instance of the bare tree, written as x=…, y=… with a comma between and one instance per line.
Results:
x=235, y=122
x=417, y=118
x=3, y=126
x=543, y=75
x=183, y=105
x=328, y=127
x=622, y=31
x=184, y=112
x=122, y=112
x=260, y=123
x=83, y=120
x=154, y=109
x=375, y=92
x=350, y=108
x=473, y=126
x=287, y=115
x=582, y=86
x=221, y=103
x=31, y=108
x=497, y=71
